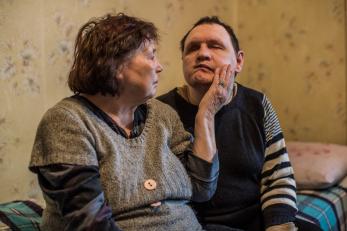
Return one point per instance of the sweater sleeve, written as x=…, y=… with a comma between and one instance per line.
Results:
x=278, y=188
x=203, y=175
x=63, y=137
x=77, y=193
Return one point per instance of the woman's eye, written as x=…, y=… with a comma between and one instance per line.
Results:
x=151, y=56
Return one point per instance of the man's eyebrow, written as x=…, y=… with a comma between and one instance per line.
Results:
x=208, y=41
x=215, y=41
x=194, y=42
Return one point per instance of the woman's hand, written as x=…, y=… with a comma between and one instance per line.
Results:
x=290, y=226
x=220, y=91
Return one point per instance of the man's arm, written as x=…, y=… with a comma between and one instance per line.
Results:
x=278, y=188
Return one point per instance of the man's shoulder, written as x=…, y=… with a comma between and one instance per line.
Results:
x=250, y=92
x=249, y=101
x=169, y=97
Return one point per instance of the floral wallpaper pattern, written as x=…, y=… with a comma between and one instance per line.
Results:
x=295, y=51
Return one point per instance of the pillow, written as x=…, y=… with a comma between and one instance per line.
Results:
x=317, y=165
x=343, y=182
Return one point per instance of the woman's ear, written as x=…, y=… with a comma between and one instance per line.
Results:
x=120, y=72
x=239, y=61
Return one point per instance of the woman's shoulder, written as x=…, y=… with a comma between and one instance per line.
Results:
x=161, y=108
x=162, y=112
x=66, y=109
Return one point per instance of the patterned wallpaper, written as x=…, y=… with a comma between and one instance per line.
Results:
x=36, y=46
x=295, y=52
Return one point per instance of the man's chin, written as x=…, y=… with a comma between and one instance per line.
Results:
x=202, y=80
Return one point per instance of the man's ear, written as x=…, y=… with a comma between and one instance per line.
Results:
x=239, y=61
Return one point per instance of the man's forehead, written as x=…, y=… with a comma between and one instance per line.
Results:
x=208, y=32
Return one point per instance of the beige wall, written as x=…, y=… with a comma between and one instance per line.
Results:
x=295, y=52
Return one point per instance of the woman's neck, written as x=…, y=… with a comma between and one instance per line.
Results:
x=115, y=107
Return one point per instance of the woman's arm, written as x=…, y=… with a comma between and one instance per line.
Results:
x=203, y=174
x=77, y=193
x=65, y=160
x=213, y=100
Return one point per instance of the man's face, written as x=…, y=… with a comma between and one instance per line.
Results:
x=207, y=47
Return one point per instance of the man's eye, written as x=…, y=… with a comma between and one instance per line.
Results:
x=192, y=48
x=216, y=46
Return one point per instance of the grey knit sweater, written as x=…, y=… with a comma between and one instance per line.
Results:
x=70, y=133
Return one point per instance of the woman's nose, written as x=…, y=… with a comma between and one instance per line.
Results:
x=159, y=68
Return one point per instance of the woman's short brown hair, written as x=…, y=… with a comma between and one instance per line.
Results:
x=102, y=46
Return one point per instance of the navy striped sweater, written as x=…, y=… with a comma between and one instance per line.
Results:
x=256, y=187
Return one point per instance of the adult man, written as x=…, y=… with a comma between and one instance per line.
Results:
x=256, y=187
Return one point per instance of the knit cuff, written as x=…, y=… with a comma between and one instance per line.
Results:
x=278, y=214
x=201, y=169
x=204, y=177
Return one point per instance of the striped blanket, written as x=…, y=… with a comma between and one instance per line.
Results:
x=20, y=215
x=326, y=208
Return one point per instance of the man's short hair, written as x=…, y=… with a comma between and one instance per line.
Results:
x=102, y=46
x=213, y=20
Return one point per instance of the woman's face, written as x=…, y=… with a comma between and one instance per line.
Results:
x=139, y=75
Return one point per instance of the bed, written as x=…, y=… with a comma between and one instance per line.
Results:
x=320, y=171
x=327, y=208
x=20, y=215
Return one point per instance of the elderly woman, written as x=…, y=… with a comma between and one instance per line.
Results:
x=110, y=157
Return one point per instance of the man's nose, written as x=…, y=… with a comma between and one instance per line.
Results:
x=204, y=53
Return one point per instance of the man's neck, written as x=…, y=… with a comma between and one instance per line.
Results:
x=195, y=94
x=190, y=94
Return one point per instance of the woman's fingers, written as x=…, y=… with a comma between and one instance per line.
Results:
x=224, y=76
x=220, y=92
x=216, y=78
x=225, y=83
